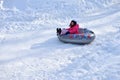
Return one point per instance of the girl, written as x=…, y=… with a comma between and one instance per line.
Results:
x=73, y=29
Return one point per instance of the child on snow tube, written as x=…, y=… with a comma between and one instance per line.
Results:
x=73, y=29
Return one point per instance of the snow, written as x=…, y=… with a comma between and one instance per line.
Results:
x=30, y=49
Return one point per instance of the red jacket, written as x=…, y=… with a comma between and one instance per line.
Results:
x=74, y=29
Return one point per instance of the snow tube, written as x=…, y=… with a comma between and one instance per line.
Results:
x=85, y=36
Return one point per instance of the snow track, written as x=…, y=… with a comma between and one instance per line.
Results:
x=30, y=50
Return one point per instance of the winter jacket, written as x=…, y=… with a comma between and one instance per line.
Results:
x=74, y=29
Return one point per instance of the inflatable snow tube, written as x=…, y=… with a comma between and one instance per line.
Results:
x=85, y=36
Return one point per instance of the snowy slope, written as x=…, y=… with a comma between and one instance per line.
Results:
x=30, y=50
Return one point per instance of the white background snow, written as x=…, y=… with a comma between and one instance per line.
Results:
x=30, y=49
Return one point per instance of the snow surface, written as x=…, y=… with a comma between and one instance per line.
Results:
x=30, y=50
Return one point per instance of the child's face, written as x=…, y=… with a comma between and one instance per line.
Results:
x=72, y=23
